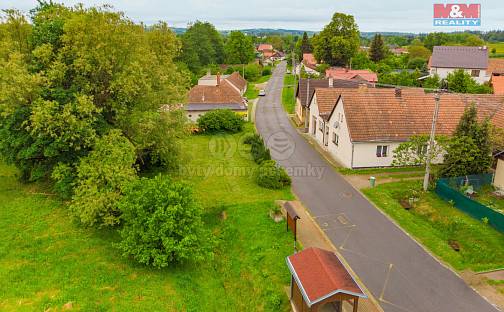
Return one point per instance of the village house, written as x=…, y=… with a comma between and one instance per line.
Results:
x=362, y=127
x=496, y=69
x=355, y=74
x=306, y=88
x=309, y=64
x=447, y=59
x=217, y=94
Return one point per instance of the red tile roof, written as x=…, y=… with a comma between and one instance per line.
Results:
x=495, y=66
x=264, y=47
x=498, y=84
x=381, y=115
x=221, y=94
x=237, y=80
x=343, y=73
x=309, y=59
x=320, y=274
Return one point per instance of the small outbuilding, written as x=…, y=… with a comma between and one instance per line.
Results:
x=320, y=282
x=499, y=172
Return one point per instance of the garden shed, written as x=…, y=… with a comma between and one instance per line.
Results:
x=320, y=282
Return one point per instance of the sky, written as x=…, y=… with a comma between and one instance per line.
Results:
x=370, y=15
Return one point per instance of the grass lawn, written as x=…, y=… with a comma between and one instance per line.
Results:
x=499, y=49
x=288, y=100
x=47, y=261
x=252, y=92
x=434, y=222
x=485, y=197
x=348, y=171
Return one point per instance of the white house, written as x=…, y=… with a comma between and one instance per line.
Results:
x=362, y=127
x=447, y=59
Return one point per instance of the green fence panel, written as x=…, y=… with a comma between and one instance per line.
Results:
x=448, y=190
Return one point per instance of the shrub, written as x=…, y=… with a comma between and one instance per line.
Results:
x=270, y=176
x=162, y=223
x=259, y=152
x=220, y=120
x=251, y=138
x=266, y=71
x=253, y=72
x=101, y=178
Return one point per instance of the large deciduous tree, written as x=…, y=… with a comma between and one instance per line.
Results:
x=73, y=76
x=338, y=42
x=202, y=45
x=239, y=48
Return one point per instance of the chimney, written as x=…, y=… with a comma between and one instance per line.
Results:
x=331, y=82
x=218, y=78
x=362, y=87
x=398, y=92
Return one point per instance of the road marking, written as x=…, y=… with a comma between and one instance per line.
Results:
x=391, y=265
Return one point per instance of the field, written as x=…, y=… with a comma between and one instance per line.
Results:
x=499, y=49
x=434, y=223
x=288, y=100
x=47, y=261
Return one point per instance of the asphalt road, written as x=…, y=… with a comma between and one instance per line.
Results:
x=401, y=275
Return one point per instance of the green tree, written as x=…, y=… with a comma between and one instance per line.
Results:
x=436, y=39
x=239, y=48
x=101, y=179
x=414, y=151
x=201, y=45
x=474, y=41
x=419, y=51
x=338, y=42
x=306, y=46
x=162, y=224
x=470, y=150
x=377, y=50
x=460, y=81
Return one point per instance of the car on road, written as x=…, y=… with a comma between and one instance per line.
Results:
x=262, y=92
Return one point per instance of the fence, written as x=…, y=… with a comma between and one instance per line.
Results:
x=448, y=189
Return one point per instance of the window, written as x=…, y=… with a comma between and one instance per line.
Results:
x=381, y=150
x=321, y=126
x=314, y=129
x=335, y=138
x=475, y=73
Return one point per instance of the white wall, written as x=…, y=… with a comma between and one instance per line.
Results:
x=313, y=112
x=343, y=151
x=364, y=155
x=443, y=73
x=499, y=175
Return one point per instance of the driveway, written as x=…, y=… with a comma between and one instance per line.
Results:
x=400, y=274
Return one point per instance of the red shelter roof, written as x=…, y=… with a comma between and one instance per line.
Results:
x=320, y=274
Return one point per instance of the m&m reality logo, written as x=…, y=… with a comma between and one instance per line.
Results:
x=457, y=14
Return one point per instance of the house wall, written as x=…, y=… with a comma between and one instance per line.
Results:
x=499, y=175
x=313, y=113
x=300, y=111
x=443, y=73
x=364, y=155
x=194, y=115
x=343, y=151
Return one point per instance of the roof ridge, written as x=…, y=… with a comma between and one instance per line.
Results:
x=323, y=265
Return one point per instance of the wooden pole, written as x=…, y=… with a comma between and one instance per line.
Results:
x=355, y=304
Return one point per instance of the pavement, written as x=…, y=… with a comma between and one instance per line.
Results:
x=398, y=271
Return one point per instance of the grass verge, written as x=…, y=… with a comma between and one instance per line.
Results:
x=288, y=100
x=434, y=223
x=47, y=261
x=348, y=171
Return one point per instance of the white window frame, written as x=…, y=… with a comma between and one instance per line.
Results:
x=335, y=139
x=382, y=151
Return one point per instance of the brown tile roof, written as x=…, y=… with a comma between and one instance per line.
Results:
x=264, y=47
x=496, y=66
x=309, y=59
x=381, y=115
x=320, y=274
x=343, y=73
x=498, y=84
x=303, y=87
x=237, y=80
x=459, y=57
x=221, y=94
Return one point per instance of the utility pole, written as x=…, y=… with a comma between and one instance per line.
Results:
x=431, y=143
x=307, y=117
x=295, y=75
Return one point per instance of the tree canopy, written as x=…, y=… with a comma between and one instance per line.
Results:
x=338, y=42
x=239, y=48
x=202, y=45
x=377, y=50
x=73, y=77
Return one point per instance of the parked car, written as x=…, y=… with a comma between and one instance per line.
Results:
x=262, y=92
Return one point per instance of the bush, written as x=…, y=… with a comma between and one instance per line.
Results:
x=270, y=176
x=221, y=120
x=101, y=178
x=266, y=71
x=251, y=138
x=259, y=151
x=162, y=223
x=253, y=72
